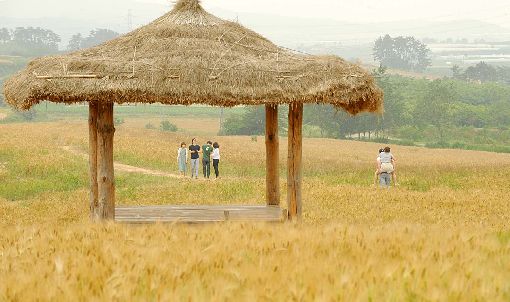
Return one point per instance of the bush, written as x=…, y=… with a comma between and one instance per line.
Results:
x=386, y=141
x=118, y=121
x=167, y=126
x=29, y=115
x=464, y=146
x=410, y=132
x=312, y=131
x=2, y=102
x=234, y=125
x=150, y=126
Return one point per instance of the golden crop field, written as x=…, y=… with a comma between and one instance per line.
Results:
x=442, y=235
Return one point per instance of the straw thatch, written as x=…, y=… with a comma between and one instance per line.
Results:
x=189, y=56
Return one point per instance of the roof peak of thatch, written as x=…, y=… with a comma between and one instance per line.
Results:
x=190, y=12
x=188, y=5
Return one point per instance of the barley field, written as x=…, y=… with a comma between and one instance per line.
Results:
x=442, y=235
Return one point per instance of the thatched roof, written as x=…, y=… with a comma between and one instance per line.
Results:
x=189, y=56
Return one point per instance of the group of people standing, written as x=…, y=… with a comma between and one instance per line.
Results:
x=210, y=153
x=385, y=172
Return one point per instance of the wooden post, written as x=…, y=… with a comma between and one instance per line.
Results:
x=272, y=156
x=106, y=181
x=93, y=197
x=294, y=161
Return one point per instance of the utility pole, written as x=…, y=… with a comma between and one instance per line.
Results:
x=130, y=20
x=222, y=119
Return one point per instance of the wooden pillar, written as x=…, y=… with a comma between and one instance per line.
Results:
x=106, y=181
x=294, y=161
x=93, y=197
x=272, y=156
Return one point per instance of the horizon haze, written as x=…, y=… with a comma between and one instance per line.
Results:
x=282, y=20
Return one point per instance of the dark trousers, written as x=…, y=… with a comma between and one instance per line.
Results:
x=206, y=164
x=216, y=163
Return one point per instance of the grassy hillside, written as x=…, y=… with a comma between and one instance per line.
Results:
x=443, y=234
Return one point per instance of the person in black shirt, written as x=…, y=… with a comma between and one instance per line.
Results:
x=194, y=148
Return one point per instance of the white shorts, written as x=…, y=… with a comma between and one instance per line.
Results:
x=387, y=168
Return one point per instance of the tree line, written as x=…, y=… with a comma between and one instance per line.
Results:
x=95, y=37
x=483, y=73
x=439, y=112
x=36, y=41
x=28, y=41
x=407, y=53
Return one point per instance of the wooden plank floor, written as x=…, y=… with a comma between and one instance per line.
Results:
x=198, y=214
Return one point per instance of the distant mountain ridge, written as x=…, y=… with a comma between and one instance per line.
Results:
x=68, y=18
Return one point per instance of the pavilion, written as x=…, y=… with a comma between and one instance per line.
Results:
x=186, y=57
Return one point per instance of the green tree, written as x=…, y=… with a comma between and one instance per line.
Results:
x=402, y=52
x=395, y=113
x=5, y=35
x=435, y=107
x=457, y=72
x=28, y=41
x=481, y=72
x=36, y=37
x=331, y=121
x=98, y=36
x=75, y=43
x=467, y=115
x=503, y=74
x=253, y=121
x=499, y=114
x=2, y=103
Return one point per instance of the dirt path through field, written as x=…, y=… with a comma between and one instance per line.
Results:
x=123, y=167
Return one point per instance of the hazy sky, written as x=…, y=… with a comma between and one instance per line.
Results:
x=363, y=11
x=355, y=11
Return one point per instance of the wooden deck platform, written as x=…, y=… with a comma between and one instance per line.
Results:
x=198, y=214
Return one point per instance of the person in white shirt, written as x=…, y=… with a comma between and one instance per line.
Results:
x=216, y=158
